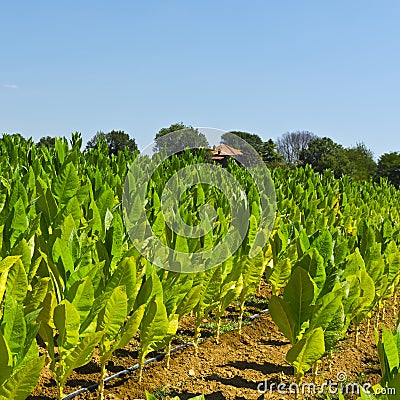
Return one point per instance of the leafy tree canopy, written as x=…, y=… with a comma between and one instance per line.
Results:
x=191, y=138
x=116, y=141
x=47, y=141
x=324, y=153
x=361, y=162
x=389, y=167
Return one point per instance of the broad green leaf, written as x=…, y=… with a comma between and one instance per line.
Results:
x=282, y=315
x=299, y=293
x=80, y=355
x=14, y=325
x=81, y=295
x=17, y=282
x=130, y=328
x=390, y=348
x=153, y=327
x=66, y=184
x=67, y=321
x=325, y=308
x=307, y=351
x=280, y=274
x=6, y=360
x=19, y=223
x=324, y=244
x=22, y=381
x=313, y=263
x=112, y=317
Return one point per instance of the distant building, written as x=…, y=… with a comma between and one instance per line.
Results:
x=221, y=154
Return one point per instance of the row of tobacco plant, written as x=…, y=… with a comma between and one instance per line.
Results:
x=71, y=278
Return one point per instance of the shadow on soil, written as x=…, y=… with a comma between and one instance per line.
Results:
x=266, y=368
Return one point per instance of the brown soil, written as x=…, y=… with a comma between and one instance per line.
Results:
x=231, y=370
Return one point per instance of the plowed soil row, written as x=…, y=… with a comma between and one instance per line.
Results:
x=240, y=367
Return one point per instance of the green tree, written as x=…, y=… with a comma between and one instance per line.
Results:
x=389, y=167
x=116, y=141
x=361, y=162
x=176, y=143
x=267, y=150
x=324, y=153
x=47, y=141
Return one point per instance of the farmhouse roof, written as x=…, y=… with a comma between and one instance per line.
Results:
x=225, y=150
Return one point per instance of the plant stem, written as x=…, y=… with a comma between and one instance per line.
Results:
x=60, y=391
x=330, y=358
x=218, y=329
x=100, y=390
x=240, y=321
x=315, y=371
x=168, y=353
x=356, y=336
x=377, y=318
x=141, y=364
x=197, y=334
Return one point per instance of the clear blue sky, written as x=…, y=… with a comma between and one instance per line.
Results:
x=266, y=67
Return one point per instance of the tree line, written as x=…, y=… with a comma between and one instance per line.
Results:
x=291, y=150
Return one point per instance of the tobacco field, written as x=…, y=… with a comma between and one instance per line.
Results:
x=72, y=283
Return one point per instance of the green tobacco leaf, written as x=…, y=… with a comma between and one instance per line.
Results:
x=324, y=244
x=354, y=262
x=313, y=263
x=308, y=350
x=374, y=261
x=299, y=293
x=19, y=223
x=5, y=266
x=6, y=360
x=392, y=258
x=67, y=321
x=175, y=287
x=22, y=381
x=325, y=308
x=252, y=269
x=281, y=314
x=62, y=252
x=190, y=301
x=112, y=317
x=7, y=263
x=17, y=282
x=394, y=384
x=303, y=244
x=153, y=327
x=46, y=203
x=280, y=274
x=14, y=325
x=363, y=303
x=81, y=295
x=80, y=355
x=334, y=331
x=391, y=351
x=66, y=184
x=130, y=328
